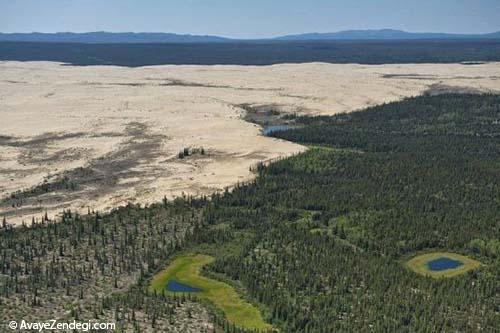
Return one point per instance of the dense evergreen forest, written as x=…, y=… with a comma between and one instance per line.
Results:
x=333, y=226
x=318, y=241
x=256, y=52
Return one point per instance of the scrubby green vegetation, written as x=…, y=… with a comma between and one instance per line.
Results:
x=186, y=152
x=419, y=264
x=319, y=240
x=186, y=269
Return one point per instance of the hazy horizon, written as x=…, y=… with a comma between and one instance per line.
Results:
x=244, y=20
x=243, y=38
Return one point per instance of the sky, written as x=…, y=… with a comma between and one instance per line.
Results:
x=248, y=18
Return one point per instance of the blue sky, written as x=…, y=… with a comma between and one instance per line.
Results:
x=249, y=18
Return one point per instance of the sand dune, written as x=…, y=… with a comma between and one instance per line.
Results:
x=99, y=137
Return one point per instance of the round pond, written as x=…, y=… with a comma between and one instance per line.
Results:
x=443, y=263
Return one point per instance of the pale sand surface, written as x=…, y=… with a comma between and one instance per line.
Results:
x=127, y=125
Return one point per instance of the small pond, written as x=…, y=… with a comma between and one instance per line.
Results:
x=443, y=263
x=268, y=130
x=177, y=287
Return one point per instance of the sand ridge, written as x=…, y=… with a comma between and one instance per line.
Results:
x=102, y=136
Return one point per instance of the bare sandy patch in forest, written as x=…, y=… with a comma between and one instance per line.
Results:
x=102, y=136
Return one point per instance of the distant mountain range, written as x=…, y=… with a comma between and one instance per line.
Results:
x=109, y=37
x=148, y=37
x=385, y=34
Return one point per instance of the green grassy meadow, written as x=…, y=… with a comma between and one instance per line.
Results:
x=419, y=264
x=186, y=269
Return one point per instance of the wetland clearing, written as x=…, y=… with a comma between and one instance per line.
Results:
x=183, y=275
x=442, y=264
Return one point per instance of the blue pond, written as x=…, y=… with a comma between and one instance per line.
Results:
x=178, y=287
x=276, y=128
x=442, y=264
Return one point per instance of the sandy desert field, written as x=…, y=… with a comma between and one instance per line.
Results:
x=101, y=136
